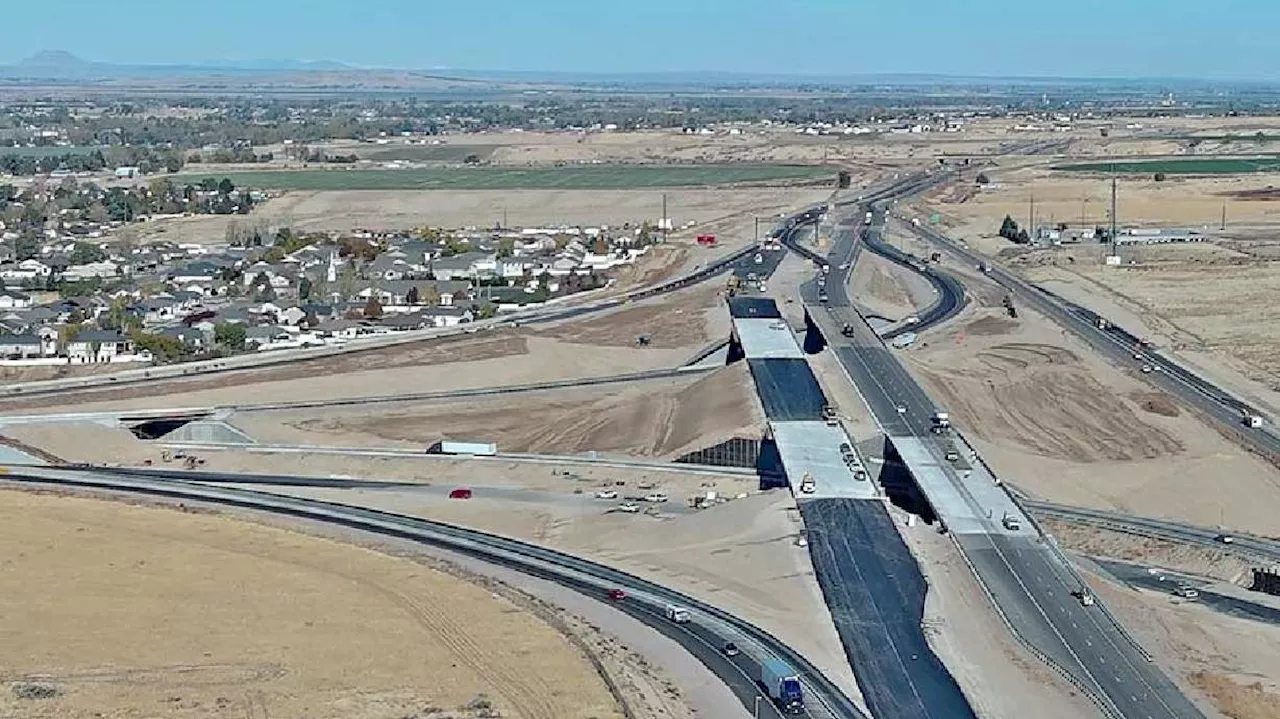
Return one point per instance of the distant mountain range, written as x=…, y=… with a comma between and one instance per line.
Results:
x=62, y=65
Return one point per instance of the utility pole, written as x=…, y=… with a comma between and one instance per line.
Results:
x=504, y=218
x=1115, y=240
x=1031, y=217
x=756, y=236
x=1224, y=217
x=665, y=222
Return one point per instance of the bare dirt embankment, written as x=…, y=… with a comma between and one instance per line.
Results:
x=112, y=611
x=1027, y=393
x=651, y=419
x=1061, y=424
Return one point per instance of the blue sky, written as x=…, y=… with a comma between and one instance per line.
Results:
x=1183, y=38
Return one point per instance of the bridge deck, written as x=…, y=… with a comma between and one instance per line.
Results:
x=813, y=448
x=766, y=339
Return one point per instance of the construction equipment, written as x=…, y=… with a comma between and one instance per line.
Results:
x=732, y=285
x=643, y=340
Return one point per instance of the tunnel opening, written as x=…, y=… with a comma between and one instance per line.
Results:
x=158, y=428
x=901, y=488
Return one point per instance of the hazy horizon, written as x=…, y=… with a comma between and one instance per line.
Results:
x=981, y=38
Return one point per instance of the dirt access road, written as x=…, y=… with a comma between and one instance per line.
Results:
x=249, y=620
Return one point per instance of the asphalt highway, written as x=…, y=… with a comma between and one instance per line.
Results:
x=1120, y=345
x=1030, y=583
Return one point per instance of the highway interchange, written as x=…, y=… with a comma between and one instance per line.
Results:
x=1030, y=583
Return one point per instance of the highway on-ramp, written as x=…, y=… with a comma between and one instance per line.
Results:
x=704, y=636
x=1030, y=582
x=1120, y=345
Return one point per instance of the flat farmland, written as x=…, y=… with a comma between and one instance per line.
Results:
x=1181, y=166
x=502, y=178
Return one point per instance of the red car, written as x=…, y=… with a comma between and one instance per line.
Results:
x=617, y=595
x=460, y=494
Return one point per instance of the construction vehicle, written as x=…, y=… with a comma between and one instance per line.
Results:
x=1011, y=522
x=642, y=340
x=941, y=422
x=781, y=684
x=847, y=330
x=733, y=285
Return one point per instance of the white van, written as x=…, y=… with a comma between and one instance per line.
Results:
x=679, y=615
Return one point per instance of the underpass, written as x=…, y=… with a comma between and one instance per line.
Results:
x=1029, y=582
x=871, y=582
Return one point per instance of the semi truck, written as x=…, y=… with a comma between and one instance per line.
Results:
x=941, y=422
x=781, y=684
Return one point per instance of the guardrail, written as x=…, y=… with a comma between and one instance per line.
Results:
x=509, y=552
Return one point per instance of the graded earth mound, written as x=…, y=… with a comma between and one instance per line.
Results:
x=652, y=419
x=1042, y=399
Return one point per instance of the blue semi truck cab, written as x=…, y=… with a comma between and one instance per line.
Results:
x=782, y=684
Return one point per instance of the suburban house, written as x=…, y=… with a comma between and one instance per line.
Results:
x=23, y=347
x=10, y=300
x=95, y=346
x=104, y=270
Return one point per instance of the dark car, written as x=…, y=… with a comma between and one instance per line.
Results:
x=730, y=649
x=617, y=595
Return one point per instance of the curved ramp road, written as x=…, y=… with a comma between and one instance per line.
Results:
x=1243, y=545
x=709, y=630
x=1118, y=345
x=1030, y=584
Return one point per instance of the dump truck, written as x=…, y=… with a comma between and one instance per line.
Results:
x=781, y=684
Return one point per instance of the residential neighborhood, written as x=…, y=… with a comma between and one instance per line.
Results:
x=81, y=301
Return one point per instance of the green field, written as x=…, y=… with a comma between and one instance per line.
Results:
x=425, y=153
x=600, y=177
x=1188, y=166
